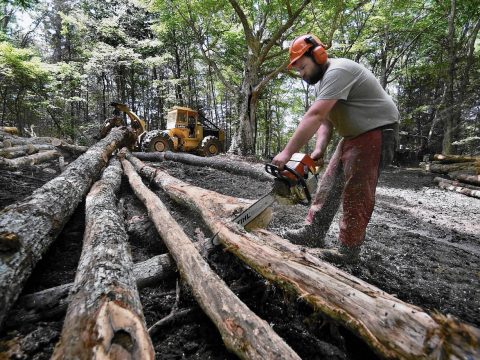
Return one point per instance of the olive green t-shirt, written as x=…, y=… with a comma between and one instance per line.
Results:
x=362, y=103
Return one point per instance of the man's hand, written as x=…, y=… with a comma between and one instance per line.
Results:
x=281, y=159
x=317, y=156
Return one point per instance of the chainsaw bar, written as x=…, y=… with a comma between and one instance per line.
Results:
x=255, y=209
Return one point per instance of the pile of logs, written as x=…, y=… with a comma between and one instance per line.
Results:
x=459, y=173
x=104, y=316
x=17, y=152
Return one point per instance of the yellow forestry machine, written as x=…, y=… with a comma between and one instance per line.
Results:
x=187, y=131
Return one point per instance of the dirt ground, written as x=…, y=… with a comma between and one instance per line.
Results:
x=423, y=245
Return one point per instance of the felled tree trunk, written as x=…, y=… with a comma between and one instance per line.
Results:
x=29, y=227
x=17, y=151
x=51, y=303
x=470, y=179
x=242, y=331
x=73, y=149
x=16, y=140
x=392, y=328
x=23, y=150
x=456, y=183
x=457, y=187
x=447, y=168
x=217, y=162
x=30, y=160
x=454, y=158
x=105, y=317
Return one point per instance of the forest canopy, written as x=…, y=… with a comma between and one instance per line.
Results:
x=63, y=62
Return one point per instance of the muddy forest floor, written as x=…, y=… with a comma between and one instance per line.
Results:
x=423, y=245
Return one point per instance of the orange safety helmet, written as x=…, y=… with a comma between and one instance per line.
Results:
x=305, y=43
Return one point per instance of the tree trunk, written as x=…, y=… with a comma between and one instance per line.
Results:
x=242, y=331
x=243, y=141
x=29, y=227
x=217, y=162
x=105, y=317
x=450, y=127
x=392, y=328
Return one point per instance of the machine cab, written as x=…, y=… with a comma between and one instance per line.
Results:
x=184, y=122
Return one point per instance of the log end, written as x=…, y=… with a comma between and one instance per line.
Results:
x=122, y=332
x=9, y=241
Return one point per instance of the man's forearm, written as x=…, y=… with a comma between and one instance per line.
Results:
x=324, y=134
x=305, y=130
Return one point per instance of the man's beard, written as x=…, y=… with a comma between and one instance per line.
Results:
x=316, y=76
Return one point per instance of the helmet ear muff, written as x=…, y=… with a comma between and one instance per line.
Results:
x=317, y=51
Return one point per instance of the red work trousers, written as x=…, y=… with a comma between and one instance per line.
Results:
x=351, y=178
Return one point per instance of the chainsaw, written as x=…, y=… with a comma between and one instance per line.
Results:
x=293, y=185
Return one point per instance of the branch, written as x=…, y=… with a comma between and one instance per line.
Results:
x=243, y=19
x=278, y=34
x=200, y=41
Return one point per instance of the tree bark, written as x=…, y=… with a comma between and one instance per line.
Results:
x=30, y=160
x=223, y=163
x=242, y=331
x=29, y=227
x=105, y=317
x=392, y=328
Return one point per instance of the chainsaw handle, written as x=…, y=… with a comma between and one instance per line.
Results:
x=275, y=171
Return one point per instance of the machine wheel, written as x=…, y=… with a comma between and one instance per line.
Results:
x=211, y=146
x=157, y=140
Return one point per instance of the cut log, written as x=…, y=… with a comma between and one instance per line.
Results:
x=469, y=179
x=28, y=228
x=448, y=159
x=447, y=185
x=52, y=303
x=30, y=160
x=72, y=149
x=446, y=168
x=12, y=130
x=22, y=150
x=456, y=183
x=391, y=327
x=105, y=317
x=242, y=331
x=17, y=151
x=16, y=140
x=217, y=162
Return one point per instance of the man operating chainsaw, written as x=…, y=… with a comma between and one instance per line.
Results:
x=351, y=100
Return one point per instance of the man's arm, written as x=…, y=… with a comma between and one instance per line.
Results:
x=324, y=135
x=315, y=116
